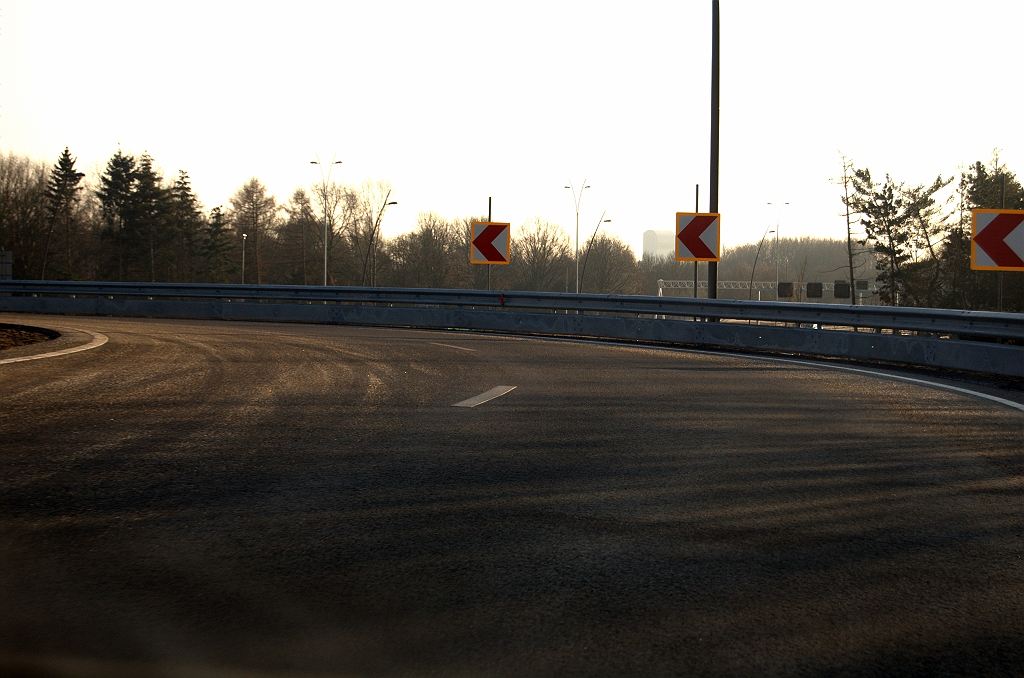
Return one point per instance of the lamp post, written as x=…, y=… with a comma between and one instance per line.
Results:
x=600, y=221
x=373, y=243
x=576, y=198
x=243, y=258
x=750, y=290
x=778, y=219
x=324, y=198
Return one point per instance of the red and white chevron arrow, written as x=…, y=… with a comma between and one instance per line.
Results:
x=698, y=236
x=998, y=240
x=490, y=243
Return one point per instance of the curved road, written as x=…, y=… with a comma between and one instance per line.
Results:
x=235, y=499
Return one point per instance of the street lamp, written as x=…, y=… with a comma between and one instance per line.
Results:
x=600, y=221
x=373, y=244
x=750, y=290
x=243, y=258
x=576, y=198
x=778, y=219
x=323, y=196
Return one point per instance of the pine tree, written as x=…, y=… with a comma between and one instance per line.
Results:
x=186, y=218
x=929, y=228
x=216, y=248
x=991, y=186
x=62, y=189
x=150, y=207
x=117, y=186
x=883, y=210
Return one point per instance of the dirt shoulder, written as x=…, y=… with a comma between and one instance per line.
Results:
x=13, y=336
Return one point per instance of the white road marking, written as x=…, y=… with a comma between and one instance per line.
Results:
x=912, y=380
x=461, y=348
x=97, y=341
x=495, y=392
x=805, y=363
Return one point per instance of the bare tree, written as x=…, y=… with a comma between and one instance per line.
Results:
x=430, y=256
x=254, y=213
x=374, y=197
x=297, y=234
x=23, y=211
x=539, y=257
x=847, y=181
x=611, y=267
x=337, y=207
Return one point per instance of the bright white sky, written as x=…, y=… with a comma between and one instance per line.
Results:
x=454, y=102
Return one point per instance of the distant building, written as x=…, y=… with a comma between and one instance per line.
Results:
x=659, y=243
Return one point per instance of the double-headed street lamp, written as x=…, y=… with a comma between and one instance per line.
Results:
x=324, y=198
x=576, y=198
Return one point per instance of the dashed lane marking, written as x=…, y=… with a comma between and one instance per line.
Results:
x=461, y=348
x=495, y=392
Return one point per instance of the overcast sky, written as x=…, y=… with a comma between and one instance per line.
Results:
x=454, y=102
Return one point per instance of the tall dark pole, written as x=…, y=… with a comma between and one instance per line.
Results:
x=488, y=265
x=1002, y=206
x=713, y=200
x=696, y=208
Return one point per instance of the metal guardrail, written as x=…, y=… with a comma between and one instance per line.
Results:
x=967, y=340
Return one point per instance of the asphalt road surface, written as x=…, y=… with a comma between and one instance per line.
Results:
x=244, y=499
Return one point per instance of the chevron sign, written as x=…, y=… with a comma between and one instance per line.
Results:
x=490, y=243
x=997, y=243
x=697, y=236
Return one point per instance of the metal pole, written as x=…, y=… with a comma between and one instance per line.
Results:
x=323, y=195
x=713, y=200
x=696, y=208
x=1002, y=206
x=577, y=199
x=488, y=221
x=777, y=255
x=243, y=258
x=578, y=242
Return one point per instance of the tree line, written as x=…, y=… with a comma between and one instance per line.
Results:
x=133, y=224
x=921, y=244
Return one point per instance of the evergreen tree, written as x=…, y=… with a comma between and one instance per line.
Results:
x=984, y=186
x=150, y=207
x=117, y=185
x=929, y=229
x=884, y=216
x=981, y=186
x=216, y=248
x=186, y=221
x=62, y=189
